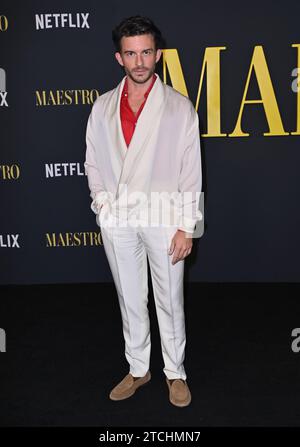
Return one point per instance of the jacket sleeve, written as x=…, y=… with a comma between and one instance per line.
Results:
x=97, y=191
x=190, y=179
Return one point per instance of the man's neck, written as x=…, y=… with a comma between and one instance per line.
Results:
x=137, y=90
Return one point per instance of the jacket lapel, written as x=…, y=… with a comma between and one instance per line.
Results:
x=146, y=128
x=117, y=143
x=147, y=123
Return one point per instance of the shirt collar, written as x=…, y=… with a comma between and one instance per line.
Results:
x=125, y=89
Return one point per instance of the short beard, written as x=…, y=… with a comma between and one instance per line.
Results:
x=140, y=81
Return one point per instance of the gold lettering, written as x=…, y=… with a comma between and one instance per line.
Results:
x=211, y=64
x=3, y=23
x=84, y=238
x=90, y=238
x=51, y=98
x=172, y=62
x=59, y=97
x=77, y=241
x=40, y=101
x=61, y=240
x=68, y=97
x=94, y=95
x=69, y=239
x=10, y=172
x=268, y=99
x=85, y=97
x=51, y=240
x=76, y=96
x=94, y=238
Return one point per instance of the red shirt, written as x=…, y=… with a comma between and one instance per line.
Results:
x=128, y=118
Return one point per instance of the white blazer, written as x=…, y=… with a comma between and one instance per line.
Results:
x=162, y=160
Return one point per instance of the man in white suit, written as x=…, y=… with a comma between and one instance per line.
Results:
x=143, y=164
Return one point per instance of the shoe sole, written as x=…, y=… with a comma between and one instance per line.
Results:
x=138, y=385
x=181, y=405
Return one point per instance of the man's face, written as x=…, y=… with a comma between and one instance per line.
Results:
x=138, y=57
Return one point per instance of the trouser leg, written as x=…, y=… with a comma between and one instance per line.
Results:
x=167, y=280
x=128, y=263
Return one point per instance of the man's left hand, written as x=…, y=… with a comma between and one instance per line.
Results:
x=181, y=246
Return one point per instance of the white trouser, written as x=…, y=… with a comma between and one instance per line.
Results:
x=127, y=249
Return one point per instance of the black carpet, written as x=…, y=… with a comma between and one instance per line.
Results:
x=65, y=351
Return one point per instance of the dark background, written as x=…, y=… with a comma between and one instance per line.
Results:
x=65, y=347
x=251, y=184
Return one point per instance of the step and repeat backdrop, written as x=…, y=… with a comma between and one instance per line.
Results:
x=239, y=67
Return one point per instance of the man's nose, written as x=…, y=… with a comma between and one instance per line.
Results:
x=139, y=59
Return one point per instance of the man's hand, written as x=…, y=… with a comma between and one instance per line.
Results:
x=181, y=246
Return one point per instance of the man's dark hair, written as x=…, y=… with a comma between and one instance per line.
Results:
x=135, y=26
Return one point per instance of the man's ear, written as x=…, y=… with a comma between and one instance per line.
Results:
x=119, y=58
x=158, y=54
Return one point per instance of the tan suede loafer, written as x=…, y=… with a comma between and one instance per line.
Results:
x=179, y=393
x=128, y=386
